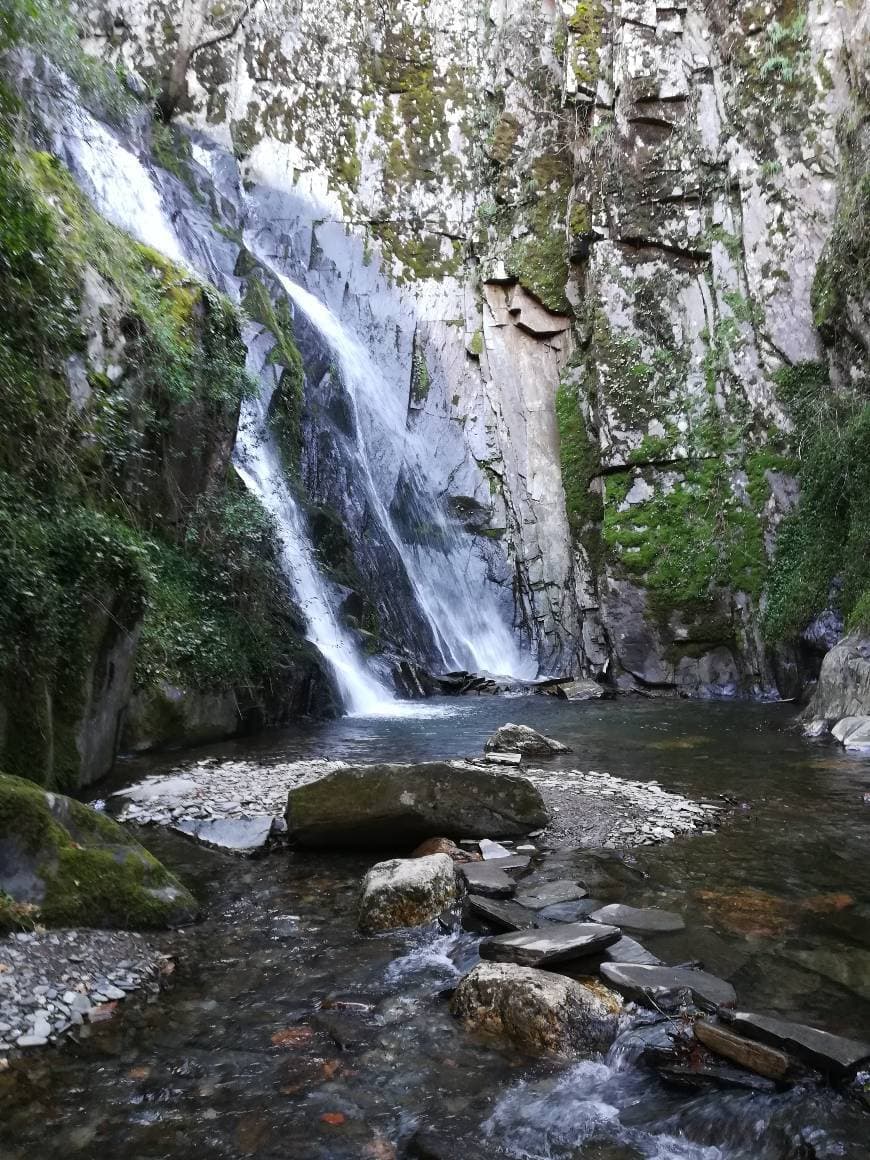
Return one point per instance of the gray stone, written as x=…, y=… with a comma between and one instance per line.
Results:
x=821, y=1049
x=488, y=879
x=527, y=742
x=385, y=805
x=664, y=986
x=579, y=691
x=505, y=915
x=549, y=944
x=853, y=733
x=843, y=688
x=576, y=911
x=546, y=894
x=238, y=835
x=537, y=1011
x=648, y=920
x=490, y=850
x=406, y=892
x=628, y=950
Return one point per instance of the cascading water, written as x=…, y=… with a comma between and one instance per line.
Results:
x=465, y=622
x=256, y=460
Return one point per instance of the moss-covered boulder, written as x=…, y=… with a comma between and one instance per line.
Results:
x=64, y=864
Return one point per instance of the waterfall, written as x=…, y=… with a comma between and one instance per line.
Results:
x=465, y=621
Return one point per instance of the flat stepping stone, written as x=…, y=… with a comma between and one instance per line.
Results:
x=821, y=1049
x=628, y=950
x=766, y=1061
x=487, y=878
x=505, y=915
x=646, y=920
x=490, y=849
x=549, y=944
x=576, y=911
x=550, y=893
x=510, y=862
x=663, y=984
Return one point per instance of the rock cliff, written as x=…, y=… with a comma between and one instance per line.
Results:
x=599, y=243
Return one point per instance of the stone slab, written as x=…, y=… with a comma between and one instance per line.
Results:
x=487, y=878
x=550, y=893
x=766, y=1061
x=647, y=920
x=663, y=984
x=506, y=915
x=819, y=1048
x=549, y=944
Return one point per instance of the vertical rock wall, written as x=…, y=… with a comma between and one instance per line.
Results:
x=585, y=236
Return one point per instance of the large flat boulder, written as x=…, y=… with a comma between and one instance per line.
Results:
x=554, y=943
x=384, y=806
x=72, y=866
x=537, y=1011
x=406, y=892
x=521, y=739
x=647, y=920
x=663, y=987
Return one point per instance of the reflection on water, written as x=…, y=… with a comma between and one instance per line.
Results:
x=288, y=1035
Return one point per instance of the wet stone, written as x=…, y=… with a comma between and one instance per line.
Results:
x=505, y=915
x=766, y=1061
x=821, y=1049
x=550, y=894
x=647, y=920
x=487, y=878
x=665, y=985
x=714, y=1075
x=550, y=944
x=576, y=911
x=628, y=950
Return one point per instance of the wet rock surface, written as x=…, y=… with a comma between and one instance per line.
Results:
x=537, y=1011
x=665, y=986
x=406, y=892
x=54, y=982
x=820, y=1049
x=552, y=943
x=633, y=918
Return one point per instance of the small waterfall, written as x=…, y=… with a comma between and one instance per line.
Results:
x=465, y=621
x=256, y=460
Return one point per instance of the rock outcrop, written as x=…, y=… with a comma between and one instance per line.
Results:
x=64, y=864
x=537, y=1011
x=406, y=892
x=843, y=688
x=521, y=739
x=390, y=806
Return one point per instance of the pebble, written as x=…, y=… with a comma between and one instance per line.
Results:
x=50, y=981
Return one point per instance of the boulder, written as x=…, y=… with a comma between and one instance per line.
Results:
x=549, y=944
x=71, y=865
x=537, y=1011
x=843, y=688
x=853, y=733
x=579, y=691
x=406, y=892
x=383, y=806
x=525, y=741
x=663, y=987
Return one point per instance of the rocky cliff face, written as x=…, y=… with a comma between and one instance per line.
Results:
x=586, y=238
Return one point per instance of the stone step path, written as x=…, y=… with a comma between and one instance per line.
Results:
x=506, y=915
x=549, y=944
x=662, y=986
x=646, y=920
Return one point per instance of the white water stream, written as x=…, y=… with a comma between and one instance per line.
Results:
x=465, y=624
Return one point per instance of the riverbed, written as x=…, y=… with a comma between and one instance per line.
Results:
x=287, y=1034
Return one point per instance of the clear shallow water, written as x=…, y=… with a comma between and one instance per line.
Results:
x=777, y=902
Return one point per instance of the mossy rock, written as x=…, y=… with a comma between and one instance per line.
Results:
x=72, y=866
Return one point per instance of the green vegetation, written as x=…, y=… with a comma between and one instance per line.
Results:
x=826, y=537
x=92, y=872
x=540, y=259
x=285, y=414
x=580, y=460
x=586, y=23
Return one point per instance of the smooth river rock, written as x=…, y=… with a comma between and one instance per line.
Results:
x=527, y=742
x=406, y=892
x=386, y=806
x=663, y=985
x=537, y=1011
x=487, y=878
x=549, y=944
x=628, y=950
x=544, y=894
x=821, y=1049
x=505, y=915
x=649, y=921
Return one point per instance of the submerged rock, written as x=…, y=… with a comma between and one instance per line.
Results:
x=665, y=986
x=537, y=1011
x=382, y=806
x=648, y=920
x=821, y=1049
x=527, y=742
x=549, y=944
x=76, y=867
x=406, y=892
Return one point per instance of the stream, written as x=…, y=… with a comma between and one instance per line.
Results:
x=287, y=1034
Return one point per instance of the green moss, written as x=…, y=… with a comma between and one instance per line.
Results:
x=504, y=138
x=92, y=872
x=586, y=23
x=285, y=413
x=475, y=345
x=580, y=461
x=421, y=380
